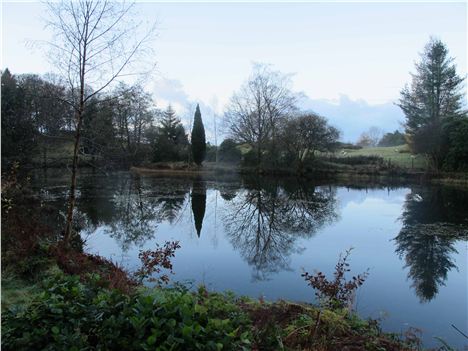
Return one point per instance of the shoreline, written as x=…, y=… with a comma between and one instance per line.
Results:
x=363, y=174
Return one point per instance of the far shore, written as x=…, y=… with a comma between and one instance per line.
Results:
x=361, y=174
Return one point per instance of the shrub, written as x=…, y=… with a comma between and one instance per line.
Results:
x=349, y=146
x=336, y=293
x=69, y=315
x=25, y=233
x=456, y=155
x=229, y=152
x=358, y=160
x=210, y=152
x=153, y=261
x=249, y=159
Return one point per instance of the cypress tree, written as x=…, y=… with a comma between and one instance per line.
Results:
x=198, y=138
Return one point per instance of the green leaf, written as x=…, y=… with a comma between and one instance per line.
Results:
x=187, y=330
x=151, y=340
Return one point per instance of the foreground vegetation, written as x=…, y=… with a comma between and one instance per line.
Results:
x=69, y=314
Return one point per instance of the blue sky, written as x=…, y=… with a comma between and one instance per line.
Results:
x=349, y=59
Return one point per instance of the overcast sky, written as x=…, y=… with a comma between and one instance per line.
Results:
x=349, y=59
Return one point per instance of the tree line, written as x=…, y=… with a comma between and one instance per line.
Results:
x=125, y=127
x=122, y=127
x=265, y=127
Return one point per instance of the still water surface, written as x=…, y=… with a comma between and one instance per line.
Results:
x=255, y=237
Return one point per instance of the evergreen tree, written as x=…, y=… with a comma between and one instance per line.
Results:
x=170, y=143
x=198, y=138
x=169, y=123
x=19, y=135
x=435, y=95
x=392, y=139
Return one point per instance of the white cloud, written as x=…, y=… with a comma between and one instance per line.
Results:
x=353, y=117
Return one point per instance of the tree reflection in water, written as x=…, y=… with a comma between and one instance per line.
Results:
x=433, y=220
x=138, y=210
x=198, y=203
x=265, y=220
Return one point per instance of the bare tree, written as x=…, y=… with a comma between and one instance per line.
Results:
x=364, y=140
x=375, y=134
x=256, y=110
x=95, y=44
x=370, y=138
x=134, y=111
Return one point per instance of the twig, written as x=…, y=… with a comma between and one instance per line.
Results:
x=458, y=330
x=317, y=323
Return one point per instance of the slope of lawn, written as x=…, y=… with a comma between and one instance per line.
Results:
x=398, y=155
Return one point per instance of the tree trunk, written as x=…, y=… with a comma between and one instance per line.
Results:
x=259, y=155
x=44, y=155
x=72, y=198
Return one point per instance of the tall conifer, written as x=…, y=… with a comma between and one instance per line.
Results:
x=198, y=138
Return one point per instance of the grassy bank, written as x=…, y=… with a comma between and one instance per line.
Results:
x=383, y=162
x=70, y=314
x=397, y=155
x=326, y=168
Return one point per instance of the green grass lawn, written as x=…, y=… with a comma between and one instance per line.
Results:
x=398, y=155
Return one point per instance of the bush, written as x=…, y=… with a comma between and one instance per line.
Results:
x=229, y=152
x=338, y=292
x=210, y=152
x=69, y=315
x=25, y=231
x=392, y=139
x=456, y=155
x=249, y=159
x=350, y=146
x=358, y=160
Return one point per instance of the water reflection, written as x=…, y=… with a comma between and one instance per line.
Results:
x=265, y=220
x=255, y=228
x=198, y=203
x=135, y=215
x=130, y=207
x=433, y=220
